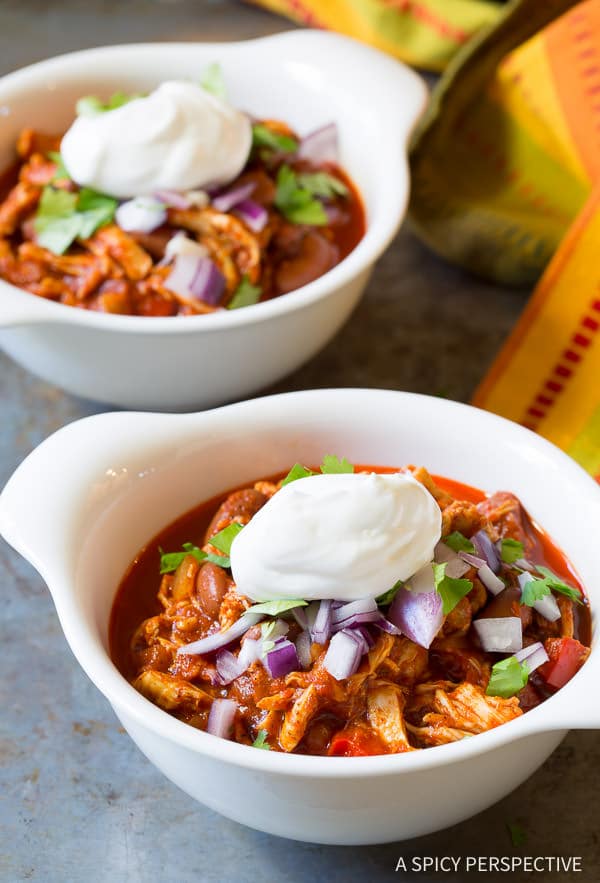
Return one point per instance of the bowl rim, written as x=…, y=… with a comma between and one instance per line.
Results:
x=380, y=228
x=553, y=715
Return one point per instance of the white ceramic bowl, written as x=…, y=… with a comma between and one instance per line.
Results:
x=307, y=78
x=89, y=497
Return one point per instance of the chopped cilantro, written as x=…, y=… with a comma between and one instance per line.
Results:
x=511, y=550
x=261, y=741
x=322, y=184
x=245, y=295
x=459, y=542
x=212, y=81
x=297, y=471
x=295, y=202
x=333, y=465
x=223, y=540
x=558, y=585
x=508, y=678
x=90, y=105
x=262, y=136
x=452, y=590
x=274, y=608
x=518, y=834
x=170, y=561
x=62, y=217
x=388, y=597
x=61, y=173
x=534, y=590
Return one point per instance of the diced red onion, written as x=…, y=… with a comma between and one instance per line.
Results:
x=141, y=215
x=254, y=215
x=173, y=198
x=321, y=627
x=455, y=564
x=221, y=638
x=250, y=652
x=364, y=631
x=221, y=717
x=546, y=606
x=208, y=284
x=533, y=656
x=360, y=640
x=227, y=200
x=299, y=615
x=419, y=615
x=282, y=659
x=503, y=634
x=492, y=582
x=343, y=655
x=473, y=560
x=362, y=605
x=311, y=613
x=386, y=626
x=371, y=616
x=229, y=667
x=279, y=628
x=422, y=582
x=443, y=553
x=523, y=564
x=457, y=568
x=303, y=647
x=486, y=549
x=180, y=244
x=321, y=145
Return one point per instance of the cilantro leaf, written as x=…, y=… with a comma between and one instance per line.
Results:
x=388, y=597
x=296, y=203
x=274, y=608
x=518, y=834
x=511, y=550
x=452, y=590
x=170, y=561
x=262, y=136
x=332, y=465
x=508, y=678
x=534, y=590
x=245, y=295
x=90, y=105
x=322, y=184
x=459, y=542
x=297, y=471
x=62, y=217
x=261, y=741
x=558, y=585
x=225, y=537
x=212, y=81
x=61, y=173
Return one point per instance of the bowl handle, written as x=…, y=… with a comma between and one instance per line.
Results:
x=576, y=706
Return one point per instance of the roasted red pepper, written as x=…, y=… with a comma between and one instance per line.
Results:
x=566, y=658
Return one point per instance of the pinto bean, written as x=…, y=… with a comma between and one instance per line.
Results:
x=212, y=584
x=315, y=256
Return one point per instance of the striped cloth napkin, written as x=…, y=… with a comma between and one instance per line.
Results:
x=506, y=181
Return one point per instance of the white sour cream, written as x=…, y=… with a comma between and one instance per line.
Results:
x=345, y=536
x=179, y=137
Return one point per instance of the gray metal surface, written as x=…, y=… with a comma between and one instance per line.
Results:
x=79, y=802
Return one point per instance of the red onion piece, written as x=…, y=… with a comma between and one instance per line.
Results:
x=523, y=564
x=343, y=655
x=546, y=606
x=492, y=582
x=140, y=215
x=422, y=582
x=442, y=553
x=227, y=200
x=303, y=646
x=321, y=627
x=228, y=666
x=357, y=619
x=486, y=549
x=366, y=634
x=473, y=560
x=500, y=635
x=221, y=638
x=282, y=659
x=346, y=611
x=419, y=615
x=173, y=198
x=253, y=215
x=360, y=639
x=221, y=717
x=386, y=626
x=251, y=652
x=321, y=145
x=533, y=656
x=299, y=615
x=208, y=284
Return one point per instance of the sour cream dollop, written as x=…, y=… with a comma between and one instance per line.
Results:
x=343, y=536
x=179, y=137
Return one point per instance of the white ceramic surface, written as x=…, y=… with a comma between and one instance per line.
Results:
x=307, y=78
x=89, y=497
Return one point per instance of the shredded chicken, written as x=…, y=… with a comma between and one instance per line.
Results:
x=385, y=707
